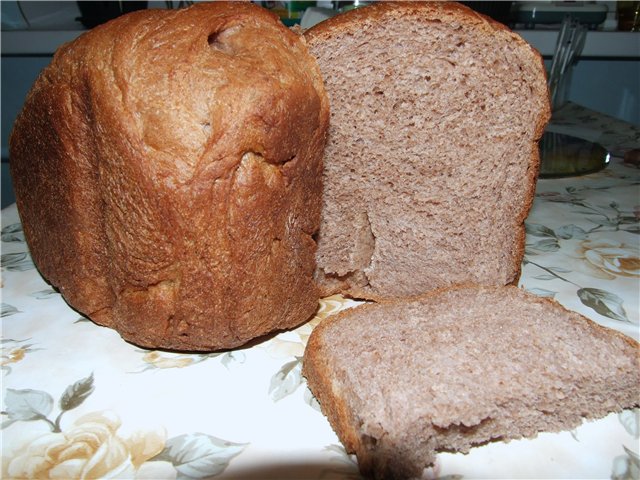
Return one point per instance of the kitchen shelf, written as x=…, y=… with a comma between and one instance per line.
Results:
x=598, y=43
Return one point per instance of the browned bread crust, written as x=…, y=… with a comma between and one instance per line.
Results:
x=432, y=158
x=402, y=380
x=167, y=168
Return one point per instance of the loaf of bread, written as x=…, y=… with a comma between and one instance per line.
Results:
x=402, y=380
x=167, y=168
x=432, y=156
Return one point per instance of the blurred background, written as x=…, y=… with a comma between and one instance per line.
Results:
x=605, y=76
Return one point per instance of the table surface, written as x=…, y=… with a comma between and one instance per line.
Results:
x=79, y=402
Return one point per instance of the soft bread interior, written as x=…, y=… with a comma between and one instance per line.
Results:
x=462, y=367
x=432, y=154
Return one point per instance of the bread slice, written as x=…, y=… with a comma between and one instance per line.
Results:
x=432, y=157
x=401, y=381
x=167, y=169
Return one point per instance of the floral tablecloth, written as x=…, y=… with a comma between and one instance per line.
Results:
x=79, y=402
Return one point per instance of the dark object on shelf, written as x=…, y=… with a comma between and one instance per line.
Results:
x=499, y=11
x=96, y=13
x=629, y=16
x=632, y=158
x=567, y=156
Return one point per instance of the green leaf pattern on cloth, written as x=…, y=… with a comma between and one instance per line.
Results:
x=603, y=302
x=199, y=455
x=26, y=405
x=77, y=393
x=594, y=258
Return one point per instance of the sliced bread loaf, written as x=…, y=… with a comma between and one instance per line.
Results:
x=432, y=155
x=400, y=381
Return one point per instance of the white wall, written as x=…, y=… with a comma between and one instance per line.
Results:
x=608, y=86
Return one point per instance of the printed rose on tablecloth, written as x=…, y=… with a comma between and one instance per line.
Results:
x=573, y=242
x=94, y=447
x=607, y=259
x=91, y=448
x=587, y=249
x=13, y=351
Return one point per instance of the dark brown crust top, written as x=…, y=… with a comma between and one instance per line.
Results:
x=167, y=171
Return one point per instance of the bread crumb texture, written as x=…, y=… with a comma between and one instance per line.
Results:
x=432, y=155
x=167, y=168
x=401, y=381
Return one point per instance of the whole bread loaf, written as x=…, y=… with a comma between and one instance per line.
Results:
x=167, y=168
x=403, y=380
x=432, y=156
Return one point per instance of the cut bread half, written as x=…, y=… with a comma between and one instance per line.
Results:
x=432, y=157
x=401, y=381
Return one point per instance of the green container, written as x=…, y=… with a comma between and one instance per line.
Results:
x=289, y=12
